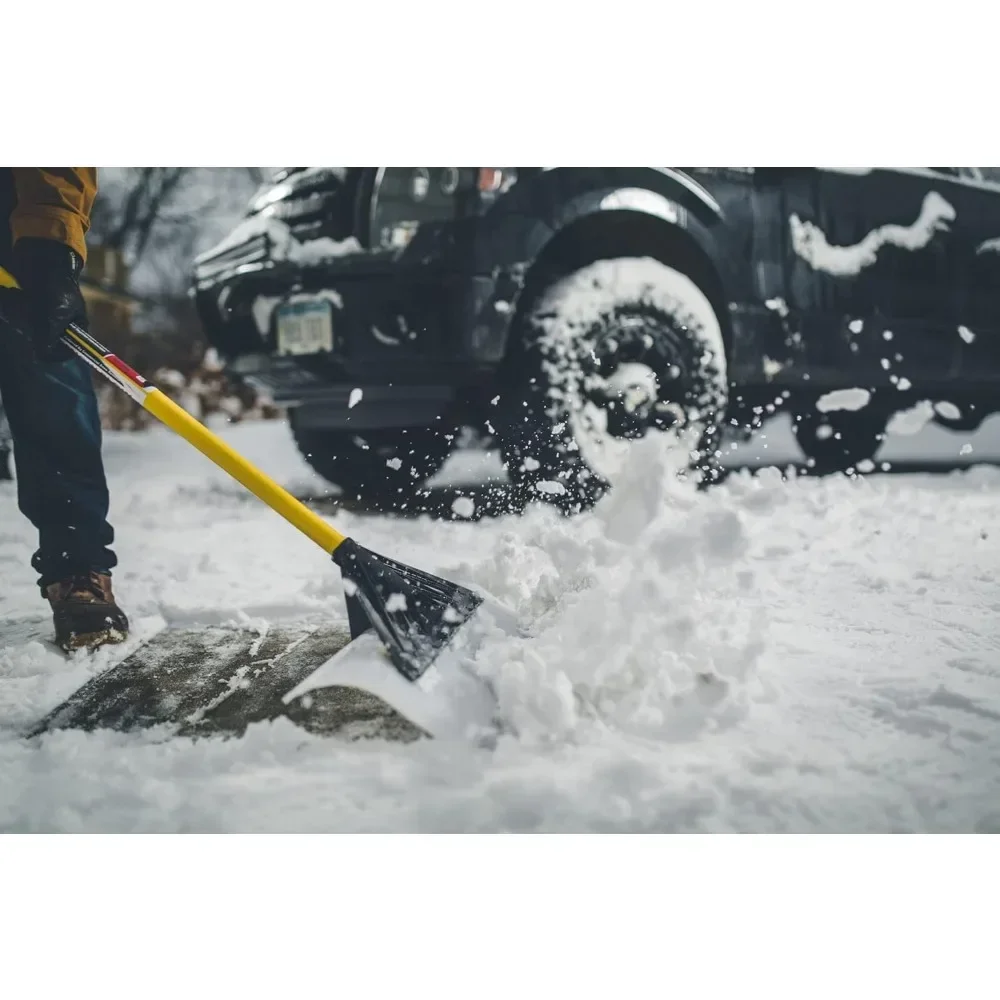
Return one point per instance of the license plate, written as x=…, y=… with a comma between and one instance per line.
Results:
x=305, y=327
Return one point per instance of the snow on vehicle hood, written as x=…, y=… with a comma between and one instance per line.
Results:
x=284, y=246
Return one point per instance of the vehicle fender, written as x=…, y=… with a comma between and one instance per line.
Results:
x=515, y=231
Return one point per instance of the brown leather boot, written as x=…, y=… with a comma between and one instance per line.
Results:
x=85, y=613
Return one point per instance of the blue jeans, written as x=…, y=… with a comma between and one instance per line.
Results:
x=61, y=487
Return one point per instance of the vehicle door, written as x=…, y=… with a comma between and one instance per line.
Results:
x=873, y=263
x=799, y=213
x=977, y=228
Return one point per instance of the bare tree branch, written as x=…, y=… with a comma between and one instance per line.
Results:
x=120, y=233
x=161, y=217
x=159, y=192
x=148, y=194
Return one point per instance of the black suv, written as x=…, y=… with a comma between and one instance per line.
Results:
x=567, y=311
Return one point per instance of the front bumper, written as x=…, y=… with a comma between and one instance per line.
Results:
x=394, y=322
x=348, y=404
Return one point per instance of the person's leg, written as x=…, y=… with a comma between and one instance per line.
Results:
x=56, y=430
x=5, y=471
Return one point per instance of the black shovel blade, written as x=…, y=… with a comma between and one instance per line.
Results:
x=415, y=614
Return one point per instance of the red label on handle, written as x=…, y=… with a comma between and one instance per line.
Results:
x=117, y=363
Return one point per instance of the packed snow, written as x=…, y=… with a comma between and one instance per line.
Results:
x=808, y=654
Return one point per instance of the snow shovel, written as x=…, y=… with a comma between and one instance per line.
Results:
x=413, y=634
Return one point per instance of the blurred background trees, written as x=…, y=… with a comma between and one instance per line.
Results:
x=148, y=224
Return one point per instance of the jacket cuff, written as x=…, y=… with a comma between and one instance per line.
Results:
x=53, y=224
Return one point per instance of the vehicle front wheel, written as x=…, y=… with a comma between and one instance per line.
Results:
x=615, y=351
x=384, y=468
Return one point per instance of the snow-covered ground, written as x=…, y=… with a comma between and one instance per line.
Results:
x=810, y=655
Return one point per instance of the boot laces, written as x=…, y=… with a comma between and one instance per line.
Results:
x=81, y=584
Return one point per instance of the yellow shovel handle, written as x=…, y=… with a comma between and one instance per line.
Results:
x=263, y=486
x=196, y=433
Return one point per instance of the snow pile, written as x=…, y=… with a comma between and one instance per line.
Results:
x=624, y=604
x=814, y=654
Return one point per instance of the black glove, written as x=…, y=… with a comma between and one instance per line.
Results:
x=49, y=299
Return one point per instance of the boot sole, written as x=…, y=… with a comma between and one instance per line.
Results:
x=93, y=640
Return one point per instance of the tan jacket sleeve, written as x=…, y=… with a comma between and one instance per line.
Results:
x=54, y=203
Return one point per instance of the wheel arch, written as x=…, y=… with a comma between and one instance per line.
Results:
x=626, y=232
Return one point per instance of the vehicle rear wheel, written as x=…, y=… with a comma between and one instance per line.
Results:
x=615, y=351
x=383, y=467
x=838, y=441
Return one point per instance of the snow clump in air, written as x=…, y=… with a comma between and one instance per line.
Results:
x=843, y=399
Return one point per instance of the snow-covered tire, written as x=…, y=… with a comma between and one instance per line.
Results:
x=838, y=441
x=382, y=468
x=600, y=358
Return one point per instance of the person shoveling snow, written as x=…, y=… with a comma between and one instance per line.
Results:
x=411, y=632
x=50, y=403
